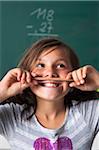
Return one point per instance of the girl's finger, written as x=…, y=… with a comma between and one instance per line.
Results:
x=28, y=77
x=19, y=74
x=84, y=71
x=79, y=73
x=75, y=77
x=72, y=84
x=69, y=76
x=33, y=74
x=23, y=77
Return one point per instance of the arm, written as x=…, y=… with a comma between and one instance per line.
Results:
x=14, y=82
x=85, y=78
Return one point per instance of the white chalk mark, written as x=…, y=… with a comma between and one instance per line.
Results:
x=41, y=34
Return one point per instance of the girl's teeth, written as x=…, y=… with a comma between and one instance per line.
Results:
x=50, y=85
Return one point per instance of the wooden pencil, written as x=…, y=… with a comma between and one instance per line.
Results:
x=52, y=79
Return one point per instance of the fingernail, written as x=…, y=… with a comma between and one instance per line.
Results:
x=82, y=81
x=71, y=85
x=78, y=83
x=84, y=75
x=33, y=74
x=28, y=80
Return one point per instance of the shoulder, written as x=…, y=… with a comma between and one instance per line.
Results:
x=11, y=106
x=87, y=107
x=89, y=111
x=11, y=109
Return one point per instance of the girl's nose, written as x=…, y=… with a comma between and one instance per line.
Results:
x=50, y=73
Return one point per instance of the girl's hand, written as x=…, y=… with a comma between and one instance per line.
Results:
x=14, y=82
x=85, y=78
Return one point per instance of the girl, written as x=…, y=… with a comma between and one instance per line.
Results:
x=47, y=102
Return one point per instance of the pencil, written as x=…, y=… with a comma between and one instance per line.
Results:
x=52, y=79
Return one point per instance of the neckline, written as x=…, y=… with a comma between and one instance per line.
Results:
x=47, y=130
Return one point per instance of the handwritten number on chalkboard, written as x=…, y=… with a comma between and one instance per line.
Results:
x=46, y=27
x=43, y=27
x=39, y=13
x=50, y=14
x=46, y=18
x=50, y=27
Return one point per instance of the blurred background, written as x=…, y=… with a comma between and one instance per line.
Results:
x=24, y=22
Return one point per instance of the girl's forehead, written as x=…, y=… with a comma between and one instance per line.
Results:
x=55, y=51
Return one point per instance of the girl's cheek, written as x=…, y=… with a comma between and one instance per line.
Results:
x=63, y=73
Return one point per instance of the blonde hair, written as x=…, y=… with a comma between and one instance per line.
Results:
x=33, y=53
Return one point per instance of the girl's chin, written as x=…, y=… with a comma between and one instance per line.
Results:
x=50, y=93
x=51, y=96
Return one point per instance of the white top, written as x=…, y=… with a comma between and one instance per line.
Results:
x=76, y=133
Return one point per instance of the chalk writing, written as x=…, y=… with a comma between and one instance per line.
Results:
x=42, y=23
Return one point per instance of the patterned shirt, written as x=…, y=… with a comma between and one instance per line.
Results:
x=76, y=132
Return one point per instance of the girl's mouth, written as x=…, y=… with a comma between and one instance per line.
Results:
x=49, y=84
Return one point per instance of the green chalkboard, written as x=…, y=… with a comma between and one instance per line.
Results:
x=23, y=22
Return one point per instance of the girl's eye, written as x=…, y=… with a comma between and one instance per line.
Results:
x=40, y=65
x=60, y=66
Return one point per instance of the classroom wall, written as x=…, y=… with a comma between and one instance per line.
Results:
x=23, y=22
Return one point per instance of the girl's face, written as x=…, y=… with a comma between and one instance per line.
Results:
x=52, y=63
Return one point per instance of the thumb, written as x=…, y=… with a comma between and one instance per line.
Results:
x=24, y=86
